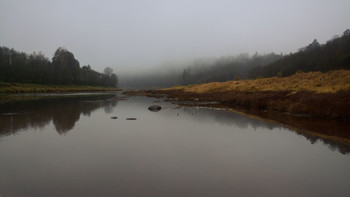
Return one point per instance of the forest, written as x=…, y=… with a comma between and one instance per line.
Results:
x=333, y=55
x=63, y=69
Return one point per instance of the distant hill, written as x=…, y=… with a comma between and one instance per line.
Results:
x=333, y=55
x=226, y=68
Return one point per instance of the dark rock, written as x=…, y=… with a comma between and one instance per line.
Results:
x=155, y=108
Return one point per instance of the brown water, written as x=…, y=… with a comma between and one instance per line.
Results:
x=70, y=146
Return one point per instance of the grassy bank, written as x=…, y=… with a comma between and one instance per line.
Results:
x=311, y=104
x=6, y=88
x=313, y=94
x=313, y=82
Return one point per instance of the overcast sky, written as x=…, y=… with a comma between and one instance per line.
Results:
x=138, y=34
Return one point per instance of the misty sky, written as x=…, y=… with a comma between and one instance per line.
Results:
x=138, y=34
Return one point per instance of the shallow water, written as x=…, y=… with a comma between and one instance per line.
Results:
x=70, y=146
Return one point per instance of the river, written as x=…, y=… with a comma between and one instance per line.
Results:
x=108, y=145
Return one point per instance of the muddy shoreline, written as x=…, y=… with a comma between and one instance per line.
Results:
x=324, y=117
x=327, y=106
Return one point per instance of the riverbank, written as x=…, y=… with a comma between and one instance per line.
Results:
x=313, y=94
x=8, y=88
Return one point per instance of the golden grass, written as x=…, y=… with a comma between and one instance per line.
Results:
x=316, y=82
x=37, y=88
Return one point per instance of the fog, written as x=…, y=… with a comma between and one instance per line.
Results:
x=198, y=70
x=165, y=74
x=135, y=34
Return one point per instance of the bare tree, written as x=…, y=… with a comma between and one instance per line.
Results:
x=108, y=71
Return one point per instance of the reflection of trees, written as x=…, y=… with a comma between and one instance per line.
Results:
x=342, y=148
x=66, y=116
x=64, y=112
x=109, y=108
x=303, y=127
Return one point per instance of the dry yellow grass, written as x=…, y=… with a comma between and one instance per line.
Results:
x=316, y=82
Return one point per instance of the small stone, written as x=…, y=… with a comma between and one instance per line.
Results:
x=155, y=108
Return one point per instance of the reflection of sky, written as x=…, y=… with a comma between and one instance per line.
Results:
x=168, y=153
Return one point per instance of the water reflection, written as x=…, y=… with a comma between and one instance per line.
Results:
x=64, y=112
x=310, y=129
x=174, y=152
x=229, y=118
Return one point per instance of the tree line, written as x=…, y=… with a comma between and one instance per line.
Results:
x=225, y=68
x=333, y=55
x=63, y=69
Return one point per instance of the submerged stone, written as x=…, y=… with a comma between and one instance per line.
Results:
x=155, y=108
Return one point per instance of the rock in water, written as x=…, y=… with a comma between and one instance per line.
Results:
x=130, y=118
x=155, y=108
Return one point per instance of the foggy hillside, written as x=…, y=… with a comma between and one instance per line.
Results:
x=334, y=54
x=200, y=70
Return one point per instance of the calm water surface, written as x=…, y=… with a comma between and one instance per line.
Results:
x=70, y=146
